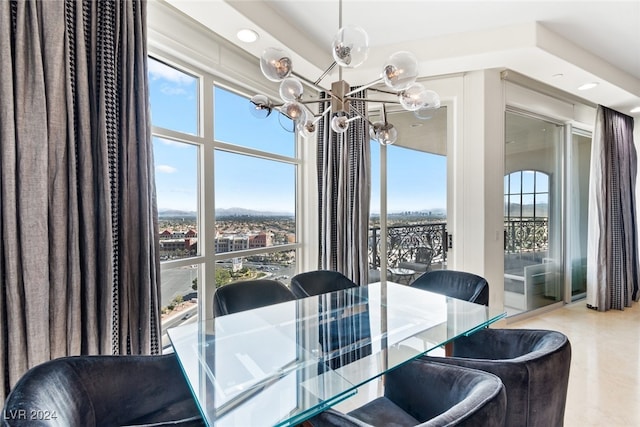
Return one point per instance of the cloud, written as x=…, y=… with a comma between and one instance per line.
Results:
x=172, y=143
x=166, y=169
x=158, y=70
x=168, y=89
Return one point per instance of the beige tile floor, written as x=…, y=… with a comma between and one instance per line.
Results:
x=604, y=380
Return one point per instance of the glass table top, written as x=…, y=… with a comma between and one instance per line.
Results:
x=281, y=364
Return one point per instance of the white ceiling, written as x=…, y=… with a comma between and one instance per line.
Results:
x=583, y=41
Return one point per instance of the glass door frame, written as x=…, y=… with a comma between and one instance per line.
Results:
x=562, y=172
x=450, y=106
x=570, y=131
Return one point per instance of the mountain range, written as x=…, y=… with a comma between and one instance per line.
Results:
x=223, y=212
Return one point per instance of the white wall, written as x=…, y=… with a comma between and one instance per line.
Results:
x=480, y=172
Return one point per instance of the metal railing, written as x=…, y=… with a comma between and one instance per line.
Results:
x=427, y=243
x=417, y=243
x=526, y=235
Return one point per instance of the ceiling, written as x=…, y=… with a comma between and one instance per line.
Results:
x=563, y=44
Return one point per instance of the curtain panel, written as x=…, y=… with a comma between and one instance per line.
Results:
x=78, y=248
x=612, y=249
x=344, y=187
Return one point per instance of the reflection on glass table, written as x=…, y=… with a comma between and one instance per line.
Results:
x=281, y=364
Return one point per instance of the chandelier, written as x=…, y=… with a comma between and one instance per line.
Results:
x=350, y=48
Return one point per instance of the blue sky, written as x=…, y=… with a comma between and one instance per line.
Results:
x=416, y=180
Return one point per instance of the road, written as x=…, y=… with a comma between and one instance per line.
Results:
x=178, y=281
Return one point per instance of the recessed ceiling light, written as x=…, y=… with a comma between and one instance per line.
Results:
x=246, y=35
x=588, y=86
x=635, y=110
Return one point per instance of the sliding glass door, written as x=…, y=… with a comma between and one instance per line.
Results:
x=578, y=165
x=533, y=201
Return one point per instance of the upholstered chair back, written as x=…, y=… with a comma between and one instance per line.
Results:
x=249, y=294
x=455, y=284
x=319, y=282
x=93, y=391
x=532, y=364
x=428, y=394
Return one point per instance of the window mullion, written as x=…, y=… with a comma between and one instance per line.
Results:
x=207, y=195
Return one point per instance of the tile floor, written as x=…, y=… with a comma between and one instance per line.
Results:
x=604, y=380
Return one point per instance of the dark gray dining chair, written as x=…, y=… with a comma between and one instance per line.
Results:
x=428, y=394
x=105, y=391
x=335, y=332
x=249, y=294
x=319, y=282
x=532, y=364
x=456, y=284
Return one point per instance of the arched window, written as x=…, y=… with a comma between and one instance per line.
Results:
x=526, y=211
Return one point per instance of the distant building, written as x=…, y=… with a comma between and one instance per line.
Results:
x=223, y=244
x=261, y=240
x=166, y=234
x=170, y=245
x=231, y=243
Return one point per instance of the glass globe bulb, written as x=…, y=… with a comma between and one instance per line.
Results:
x=384, y=133
x=275, y=64
x=295, y=111
x=414, y=97
x=306, y=129
x=387, y=136
x=290, y=89
x=350, y=46
x=260, y=106
x=400, y=71
x=286, y=123
x=424, y=113
x=339, y=124
x=431, y=100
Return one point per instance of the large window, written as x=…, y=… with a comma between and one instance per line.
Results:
x=226, y=189
x=409, y=212
x=255, y=193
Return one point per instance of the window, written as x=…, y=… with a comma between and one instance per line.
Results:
x=226, y=189
x=526, y=211
x=255, y=193
x=414, y=171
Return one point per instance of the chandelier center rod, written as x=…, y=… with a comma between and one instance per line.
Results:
x=339, y=26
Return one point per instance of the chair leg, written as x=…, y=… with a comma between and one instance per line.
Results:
x=448, y=349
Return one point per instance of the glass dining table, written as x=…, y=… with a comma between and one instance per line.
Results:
x=281, y=364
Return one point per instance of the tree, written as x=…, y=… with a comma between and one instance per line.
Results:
x=222, y=277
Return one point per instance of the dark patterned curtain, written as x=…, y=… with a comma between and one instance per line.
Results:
x=78, y=245
x=612, y=270
x=344, y=186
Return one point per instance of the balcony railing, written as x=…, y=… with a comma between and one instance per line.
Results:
x=526, y=235
x=426, y=243
x=418, y=243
